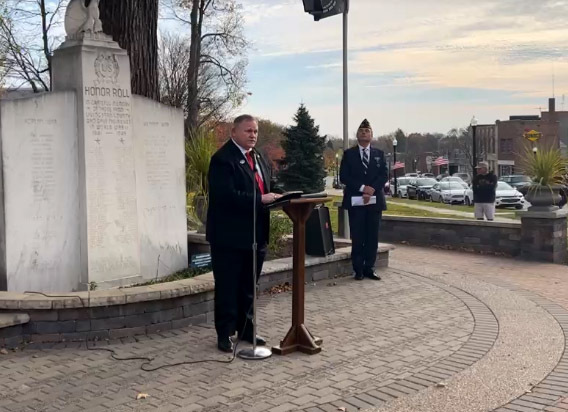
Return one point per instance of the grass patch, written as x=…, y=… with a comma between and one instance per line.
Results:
x=459, y=208
x=396, y=209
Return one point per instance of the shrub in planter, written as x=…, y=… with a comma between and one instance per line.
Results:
x=547, y=168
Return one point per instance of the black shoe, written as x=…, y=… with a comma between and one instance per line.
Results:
x=358, y=276
x=260, y=341
x=225, y=344
x=373, y=276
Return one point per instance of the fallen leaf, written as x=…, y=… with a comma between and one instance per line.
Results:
x=141, y=396
x=441, y=385
x=3, y=351
x=342, y=409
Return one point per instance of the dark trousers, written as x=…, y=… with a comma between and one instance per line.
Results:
x=232, y=270
x=364, y=224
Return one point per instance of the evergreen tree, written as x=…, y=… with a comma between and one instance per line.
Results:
x=303, y=167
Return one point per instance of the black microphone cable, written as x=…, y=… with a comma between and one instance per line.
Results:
x=147, y=360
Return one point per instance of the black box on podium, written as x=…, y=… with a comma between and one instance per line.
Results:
x=319, y=235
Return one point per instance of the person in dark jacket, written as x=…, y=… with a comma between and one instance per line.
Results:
x=235, y=169
x=484, y=186
x=363, y=171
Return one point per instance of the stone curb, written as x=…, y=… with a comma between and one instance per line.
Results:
x=185, y=287
x=482, y=339
x=111, y=314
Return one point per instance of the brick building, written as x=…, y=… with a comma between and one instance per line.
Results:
x=487, y=146
x=512, y=144
x=552, y=115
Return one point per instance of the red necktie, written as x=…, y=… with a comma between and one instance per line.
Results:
x=256, y=175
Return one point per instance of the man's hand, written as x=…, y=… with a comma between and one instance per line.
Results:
x=270, y=197
x=369, y=190
x=366, y=198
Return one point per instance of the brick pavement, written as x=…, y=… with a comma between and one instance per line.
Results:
x=374, y=333
x=544, y=284
x=382, y=340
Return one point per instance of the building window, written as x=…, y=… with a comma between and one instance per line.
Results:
x=505, y=170
x=506, y=146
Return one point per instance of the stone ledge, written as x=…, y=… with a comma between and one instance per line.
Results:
x=194, y=237
x=556, y=214
x=160, y=291
x=13, y=319
x=110, y=314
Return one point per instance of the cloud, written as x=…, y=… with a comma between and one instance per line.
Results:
x=503, y=51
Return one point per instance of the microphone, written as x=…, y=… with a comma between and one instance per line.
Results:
x=255, y=155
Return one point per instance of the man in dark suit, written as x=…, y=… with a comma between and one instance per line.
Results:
x=239, y=181
x=363, y=171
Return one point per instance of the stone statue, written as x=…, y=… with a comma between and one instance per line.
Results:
x=80, y=18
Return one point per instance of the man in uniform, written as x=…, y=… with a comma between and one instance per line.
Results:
x=364, y=173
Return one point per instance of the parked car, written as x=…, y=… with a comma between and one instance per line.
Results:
x=505, y=196
x=463, y=176
x=430, y=175
x=454, y=179
x=446, y=192
x=401, y=183
x=411, y=175
x=517, y=181
x=420, y=188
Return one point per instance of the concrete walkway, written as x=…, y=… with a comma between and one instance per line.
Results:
x=443, y=331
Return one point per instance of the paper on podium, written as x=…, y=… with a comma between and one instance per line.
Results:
x=358, y=201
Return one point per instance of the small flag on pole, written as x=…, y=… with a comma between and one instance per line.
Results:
x=441, y=161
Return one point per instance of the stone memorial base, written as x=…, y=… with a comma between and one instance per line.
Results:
x=93, y=179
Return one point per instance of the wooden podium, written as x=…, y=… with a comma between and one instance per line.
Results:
x=298, y=337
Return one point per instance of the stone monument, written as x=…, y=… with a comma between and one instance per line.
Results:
x=94, y=177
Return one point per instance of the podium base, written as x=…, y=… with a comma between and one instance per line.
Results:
x=255, y=354
x=298, y=339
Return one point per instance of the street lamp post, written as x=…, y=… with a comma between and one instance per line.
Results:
x=473, y=125
x=394, y=144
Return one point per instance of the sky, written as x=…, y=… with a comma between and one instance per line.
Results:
x=418, y=65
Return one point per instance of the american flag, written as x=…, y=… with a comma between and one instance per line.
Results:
x=441, y=161
x=398, y=165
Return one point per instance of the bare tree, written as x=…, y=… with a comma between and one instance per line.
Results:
x=27, y=35
x=3, y=50
x=173, y=63
x=215, y=98
x=457, y=145
x=217, y=57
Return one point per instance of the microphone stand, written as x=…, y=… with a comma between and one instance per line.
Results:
x=256, y=353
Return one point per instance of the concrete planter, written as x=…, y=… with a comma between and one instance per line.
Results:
x=543, y=198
